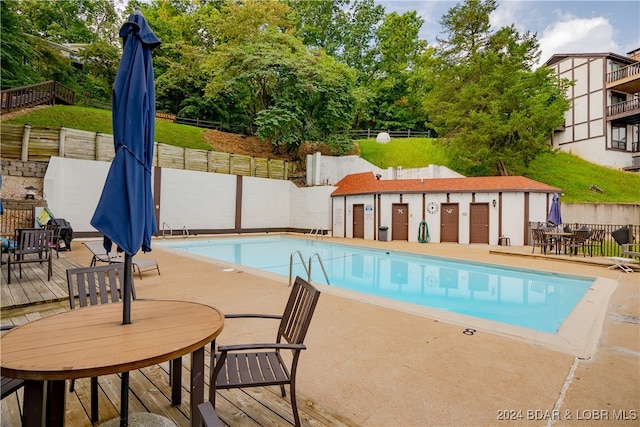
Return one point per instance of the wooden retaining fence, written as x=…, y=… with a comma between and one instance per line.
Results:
x=29, y=143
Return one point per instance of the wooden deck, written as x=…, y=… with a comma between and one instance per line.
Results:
x=33, y=297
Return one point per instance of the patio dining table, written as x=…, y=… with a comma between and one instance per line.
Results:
x=92, y=341
x=557, y=237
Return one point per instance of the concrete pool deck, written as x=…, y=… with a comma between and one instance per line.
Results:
x=380, y=366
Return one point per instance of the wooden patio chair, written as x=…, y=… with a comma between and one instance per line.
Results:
x=9, y=386
x=233, y=367
x=32, y=245
x=92, y=286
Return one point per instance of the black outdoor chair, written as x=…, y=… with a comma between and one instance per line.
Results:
x=540, y=240
x=596, y=241
x=233, y=367
x=32, y=245
x=578, y=240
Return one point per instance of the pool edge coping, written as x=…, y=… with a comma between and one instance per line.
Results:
x=578, y=335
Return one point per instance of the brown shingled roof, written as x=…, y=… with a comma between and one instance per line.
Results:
x=366, y=183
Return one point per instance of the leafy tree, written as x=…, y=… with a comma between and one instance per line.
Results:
x=359, y=50
x=484, y=99
x=66, y=21
x=292, y=94
x=399, y=47
x=16, y=48
x=100, y=61
x=320, y=23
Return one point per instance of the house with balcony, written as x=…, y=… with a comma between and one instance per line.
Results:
x=603, y=123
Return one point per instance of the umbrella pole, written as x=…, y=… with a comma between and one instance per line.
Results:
x=126, y=292
x=124, y=400
x=126, y=319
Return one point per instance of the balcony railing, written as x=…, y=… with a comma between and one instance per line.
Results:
x=624, y=72
x=630, y=106
x=626, y=79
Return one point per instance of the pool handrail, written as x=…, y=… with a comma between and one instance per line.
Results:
x=317, y=255
x=306, y=270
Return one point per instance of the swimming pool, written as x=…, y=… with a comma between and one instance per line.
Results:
x=525, y=298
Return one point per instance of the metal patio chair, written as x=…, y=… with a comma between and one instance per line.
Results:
x=32, y=245
x=233, y=367
x=101, y=255
x=578, y=240
x=92, y=286
x=596, y=241
x=540, y=240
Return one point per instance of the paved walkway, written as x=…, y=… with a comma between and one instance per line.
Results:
x=380, y=366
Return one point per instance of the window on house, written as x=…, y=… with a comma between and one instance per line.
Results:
x=617, y=98
x=619, y=137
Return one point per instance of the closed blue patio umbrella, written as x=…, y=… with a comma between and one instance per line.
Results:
x=554, y=213
x=125, y=213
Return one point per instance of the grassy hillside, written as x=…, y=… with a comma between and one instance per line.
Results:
x=574, y=175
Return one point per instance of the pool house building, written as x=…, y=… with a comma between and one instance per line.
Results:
x=487, y=210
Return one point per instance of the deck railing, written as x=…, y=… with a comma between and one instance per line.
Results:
x=632, y=105
x=38, y=94
x=624, y=72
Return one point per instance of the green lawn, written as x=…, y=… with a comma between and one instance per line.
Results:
x=574, y=175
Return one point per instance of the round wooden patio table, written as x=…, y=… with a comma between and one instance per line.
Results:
x=92, y=341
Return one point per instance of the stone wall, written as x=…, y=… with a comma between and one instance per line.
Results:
x=24, y=169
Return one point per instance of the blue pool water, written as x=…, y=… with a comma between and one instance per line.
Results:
x=525, y=298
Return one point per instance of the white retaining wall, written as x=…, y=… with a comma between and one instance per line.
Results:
x=195, y=200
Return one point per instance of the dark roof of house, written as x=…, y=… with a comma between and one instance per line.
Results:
x=562, y=56
x=366, y=183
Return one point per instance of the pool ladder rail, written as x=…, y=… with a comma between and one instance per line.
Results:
x=306, y=266
x=165, y=226
x=317, y=231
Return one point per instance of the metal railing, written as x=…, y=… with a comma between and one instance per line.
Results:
x=315, y=231
x=610, y=248
x=306, y=266
x=165, y=226
x=317, y=255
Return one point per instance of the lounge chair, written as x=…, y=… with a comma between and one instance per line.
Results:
x=100, y=254
x=233, y=368
x=92, y=286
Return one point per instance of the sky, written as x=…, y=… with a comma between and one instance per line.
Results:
x=561, y=26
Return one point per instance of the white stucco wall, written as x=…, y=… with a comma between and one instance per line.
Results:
x=72, y=189
x=265, y=202
x=310, y=206
x=196, y=200
x=327, y=170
